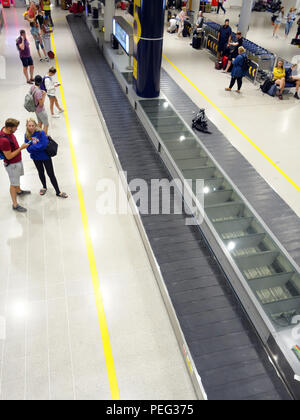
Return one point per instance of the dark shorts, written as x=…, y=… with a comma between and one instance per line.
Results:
x=27, y=61
x=222, y=46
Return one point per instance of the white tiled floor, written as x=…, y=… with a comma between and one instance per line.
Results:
x=271, y=124
x=53, y=347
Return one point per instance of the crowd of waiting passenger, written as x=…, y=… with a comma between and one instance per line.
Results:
x=232, y=56
x=36, y=139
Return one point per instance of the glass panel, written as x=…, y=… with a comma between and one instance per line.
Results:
x=272, y=278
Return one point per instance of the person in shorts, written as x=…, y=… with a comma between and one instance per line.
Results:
x=38, y=40
x=13, y=161
x=51, y=86
x=25, y=56
x=224, y=38
x=39, y=96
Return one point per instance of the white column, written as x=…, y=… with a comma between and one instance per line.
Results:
x=245, y=17
x=109, y=12
x=196, y=7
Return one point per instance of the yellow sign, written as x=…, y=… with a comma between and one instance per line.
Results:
x=135, y=67
x=137, y=29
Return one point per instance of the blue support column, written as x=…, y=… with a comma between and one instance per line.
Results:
x=148, y=44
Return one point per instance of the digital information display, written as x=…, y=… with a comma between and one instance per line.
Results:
x=121, y=36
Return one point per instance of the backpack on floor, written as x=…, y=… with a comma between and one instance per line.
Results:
x=272, y=91
x=266, y=86
x=218, y=65
x=51, y=55
x=29, y=103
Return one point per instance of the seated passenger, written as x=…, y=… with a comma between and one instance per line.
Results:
x=235, y=52
x=172, y=25
x=296, y=78
x=199, y=22
x=279, y=77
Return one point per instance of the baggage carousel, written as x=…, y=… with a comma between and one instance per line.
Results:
x=231, y=289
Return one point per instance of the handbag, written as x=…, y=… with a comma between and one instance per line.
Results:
x=52, y=147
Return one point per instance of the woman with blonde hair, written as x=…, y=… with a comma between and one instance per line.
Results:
x=238, y=71
x=278, y=22
x=279, y=77
x=291, y=17
x=181, y=17
x=38, y=143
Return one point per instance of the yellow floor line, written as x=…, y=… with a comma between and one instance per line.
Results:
x=235, y=126
x=114, y=389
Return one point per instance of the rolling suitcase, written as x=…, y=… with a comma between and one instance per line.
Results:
x=196, y=42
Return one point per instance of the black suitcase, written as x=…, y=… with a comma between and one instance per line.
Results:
x=196, y=43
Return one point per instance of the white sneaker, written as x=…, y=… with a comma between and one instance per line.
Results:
x=55, y=116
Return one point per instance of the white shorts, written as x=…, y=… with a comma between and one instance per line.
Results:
x=15, y=171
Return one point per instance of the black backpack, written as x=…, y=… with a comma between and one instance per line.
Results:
x=246, y=64
x=200, y=122
x=266, y=86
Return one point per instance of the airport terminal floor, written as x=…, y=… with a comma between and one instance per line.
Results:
x=53, y=347
x=81, y=313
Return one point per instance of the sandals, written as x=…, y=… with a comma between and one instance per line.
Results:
x=21, y=193
x=43, y=191
x=62, y=195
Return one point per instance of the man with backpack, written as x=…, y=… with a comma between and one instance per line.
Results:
x=39, y=97
x=22, y=45
x=11, y=153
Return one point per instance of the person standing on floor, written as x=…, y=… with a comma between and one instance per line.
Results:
x=181, y=17
x=221, y=6
x=39, y=96
x=46, y=35
x=50, y=87
x=278, y=22
x=40, y=17
x=235, y=52
x=23, y=47
x=12, y=153
x=38, y=40
x=238, y=71
x=224, y=38
x=291, y=17
x=47, y=10
x=38, y=142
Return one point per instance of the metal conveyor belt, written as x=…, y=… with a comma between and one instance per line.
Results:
x=228, y=354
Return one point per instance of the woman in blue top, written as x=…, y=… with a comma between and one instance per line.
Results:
x=291, y=17
x=238, y=71
x=38, y=142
